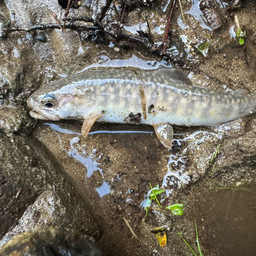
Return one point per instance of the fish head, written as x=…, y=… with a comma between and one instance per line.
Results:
x=55, y=105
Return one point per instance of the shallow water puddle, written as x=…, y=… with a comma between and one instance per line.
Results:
x=78, y=152
x=226, y=221
x=113, y=167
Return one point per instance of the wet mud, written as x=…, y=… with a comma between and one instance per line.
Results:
x=106, y=177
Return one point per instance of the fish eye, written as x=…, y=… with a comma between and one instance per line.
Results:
x=49, y=101
x=48, y=104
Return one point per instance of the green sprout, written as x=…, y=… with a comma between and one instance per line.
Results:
x=175, y=209
x=240, y=34
x=197, y=240
x=155, y=192
x=188, y=245
x=215, y=154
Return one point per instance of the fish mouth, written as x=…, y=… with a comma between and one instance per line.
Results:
x=45, y=116
x=40, y=112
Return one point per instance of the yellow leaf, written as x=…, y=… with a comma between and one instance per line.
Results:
x=162, y=238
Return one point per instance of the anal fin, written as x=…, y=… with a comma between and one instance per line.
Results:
x=88, y=123
x=164, y=133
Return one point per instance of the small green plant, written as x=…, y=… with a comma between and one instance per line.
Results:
x=213, y=158
x=155, y=192
x=240, y=34
x=175, y=209
x=188, y=245
x=152, y=195
x=197, y=240
x=215, y=154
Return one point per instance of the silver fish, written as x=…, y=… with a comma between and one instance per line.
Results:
x=160, y=98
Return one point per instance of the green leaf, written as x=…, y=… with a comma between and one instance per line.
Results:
x=203, y=46
x=197, y=240
x=185, y=241
x=155, y=192
x=241, y=41
x=176, y=209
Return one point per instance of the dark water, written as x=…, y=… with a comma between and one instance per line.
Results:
x=227, y=222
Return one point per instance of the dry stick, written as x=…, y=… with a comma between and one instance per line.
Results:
x=53, y=26
x=17, y=194
x=236, y=21
x=66, y=13
x=182, y=14
x=56, y=19
x=129, y=226
x=85, y=19
x=124, y=7
x=167, y=27
x=68, y=7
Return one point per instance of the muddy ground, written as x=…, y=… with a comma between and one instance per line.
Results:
x=211, y=170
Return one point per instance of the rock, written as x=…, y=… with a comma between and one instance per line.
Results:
x=49, y=242
x=14, y=119
x=47, y=210
x=27, y=170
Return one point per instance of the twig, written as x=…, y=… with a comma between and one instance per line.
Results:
x=52, y=26
x=123, y=11
x=17, y=194
x=129, y=226
x=167, y=27
x=56, y=19
x=236, y=21
x=85, y=19
x=66, y=14
x=182, y=14
x=68, y=8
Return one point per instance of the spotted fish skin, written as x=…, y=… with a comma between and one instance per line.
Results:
x=138, y=96
x=158, y=97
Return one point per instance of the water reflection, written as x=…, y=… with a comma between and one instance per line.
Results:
x=104, y=189
x=62, y=130
x=90, y=164
x=197, y=14
x=176, y=173
x=78, y=152
x=134, y=62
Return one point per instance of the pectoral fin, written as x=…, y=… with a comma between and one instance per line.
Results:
x=88, y=123
x=164, y=133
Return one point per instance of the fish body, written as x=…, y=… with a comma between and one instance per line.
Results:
x=160, y=98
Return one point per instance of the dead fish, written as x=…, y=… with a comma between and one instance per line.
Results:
x=160, y=98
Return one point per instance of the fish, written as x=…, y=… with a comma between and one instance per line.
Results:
x=161, y=98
